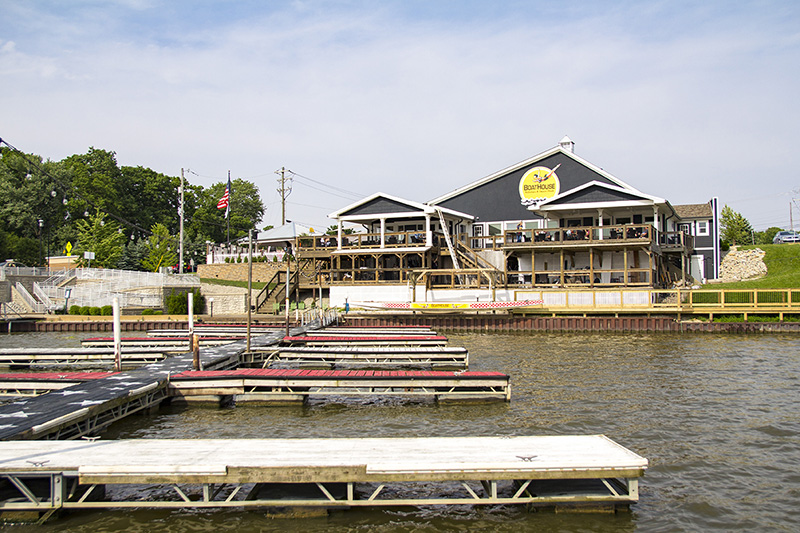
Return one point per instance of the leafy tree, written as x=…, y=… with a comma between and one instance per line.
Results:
x=735, y=228
x=150, y=198
x=334, y=230
x=103, y=238
x=766, y=236
x=95, y=178
x=245, y=212
x=161, y=249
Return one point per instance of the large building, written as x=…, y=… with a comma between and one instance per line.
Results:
x=553, y=220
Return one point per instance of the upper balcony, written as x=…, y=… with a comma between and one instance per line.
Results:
x=598, y=237
x=367, y=242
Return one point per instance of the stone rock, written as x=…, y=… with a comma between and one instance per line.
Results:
x=743, y=264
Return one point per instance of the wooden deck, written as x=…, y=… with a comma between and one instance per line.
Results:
x=363, y=472
x=293, y=385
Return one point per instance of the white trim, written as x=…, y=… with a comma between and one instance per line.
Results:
x=700, y=232
x=423, y=209
x=595, y=183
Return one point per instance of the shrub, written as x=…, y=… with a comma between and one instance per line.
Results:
x=178, y=302
x=85, y=309
x=148, y=311
x=107, y=310
x=158, y=312
x=94, y=311
x=74, y=309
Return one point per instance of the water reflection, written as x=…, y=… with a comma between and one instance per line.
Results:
x=716, y=416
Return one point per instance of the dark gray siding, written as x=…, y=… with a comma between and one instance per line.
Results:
x=499, y=198
x=595, y=194
x=379, y=206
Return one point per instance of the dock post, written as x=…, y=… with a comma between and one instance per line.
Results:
x=117, y=335
x=190, y=310
x=195, y=352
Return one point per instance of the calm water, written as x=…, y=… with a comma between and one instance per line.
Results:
x=717, y=416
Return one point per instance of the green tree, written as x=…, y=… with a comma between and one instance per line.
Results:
x=766, y=236
x=103, y=238
x=161, y=249
x=245, y=212
x=149, y=197
x=134, y=254
x=735, y=229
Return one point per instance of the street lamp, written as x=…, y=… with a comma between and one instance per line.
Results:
x=41, y=225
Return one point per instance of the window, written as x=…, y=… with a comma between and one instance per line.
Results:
x=702, y=227
x=686, y=228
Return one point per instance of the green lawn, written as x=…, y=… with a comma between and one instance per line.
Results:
x=230, y=283
x=783, y=269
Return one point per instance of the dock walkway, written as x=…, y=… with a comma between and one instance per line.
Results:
x=293, y=385
x=346, y=356
x=362, y=472
x=90, y=406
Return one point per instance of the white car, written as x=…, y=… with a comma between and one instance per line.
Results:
x=785, y=236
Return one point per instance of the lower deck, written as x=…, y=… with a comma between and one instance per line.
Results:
x=361, y=472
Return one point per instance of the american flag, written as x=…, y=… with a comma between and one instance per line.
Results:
x=224, y=202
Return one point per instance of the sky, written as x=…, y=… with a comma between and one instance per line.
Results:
x=682, y=100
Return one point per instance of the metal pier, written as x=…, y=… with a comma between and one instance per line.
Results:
x=367, y=340
x=345, y=356
x=172, y=343
x=77, y=357
x=34, y=384
x=292, y=385
x=47, y=476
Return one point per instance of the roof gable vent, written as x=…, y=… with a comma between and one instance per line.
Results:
x=567, y=144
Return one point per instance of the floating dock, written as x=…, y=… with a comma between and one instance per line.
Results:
x=216, y=330
x=77, y=357
x=345, y=356
x=47, y=476
x=370, y=332
x=174, y=344
x=33, y=384
x=367, y=340
x=292, y=385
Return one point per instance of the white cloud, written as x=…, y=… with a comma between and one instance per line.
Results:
x=379, y=100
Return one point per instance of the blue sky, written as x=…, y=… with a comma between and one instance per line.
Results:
x=684, y=100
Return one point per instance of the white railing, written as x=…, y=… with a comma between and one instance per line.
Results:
x=43, y=297
x=23, y=271
x=596, y=299
x=220, y=257
x=326, y=317
x=99, y=287
x=36, y=307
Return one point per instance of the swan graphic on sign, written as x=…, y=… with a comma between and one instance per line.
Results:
x=539, y=184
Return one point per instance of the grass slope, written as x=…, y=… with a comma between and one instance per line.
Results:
x=783, y=269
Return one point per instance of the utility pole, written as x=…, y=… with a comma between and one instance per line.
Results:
x=180, y=234
x=284, y=191
x=791, y=221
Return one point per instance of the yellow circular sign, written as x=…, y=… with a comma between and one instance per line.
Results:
x=538, y=184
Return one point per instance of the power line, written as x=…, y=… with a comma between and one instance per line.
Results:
x=355, y=195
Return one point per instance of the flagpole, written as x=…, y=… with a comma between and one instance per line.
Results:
x=228, y=210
